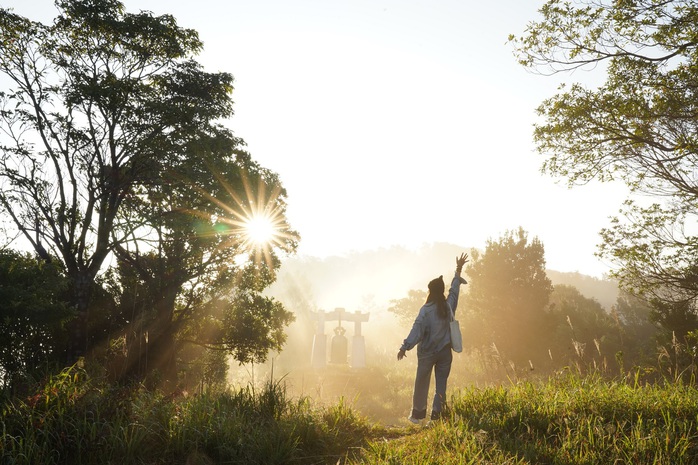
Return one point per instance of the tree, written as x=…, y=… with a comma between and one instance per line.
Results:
x=202, y=284
x=507, y=297
x=32, y=312
x=637, y=330
x=639, y=127
x=105, y=108
x=406, y=309
x=583, y=331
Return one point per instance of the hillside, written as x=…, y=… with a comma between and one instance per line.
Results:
x=568, y=419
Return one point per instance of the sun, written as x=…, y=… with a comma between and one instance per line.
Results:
x=260, y=230
x=253, y=220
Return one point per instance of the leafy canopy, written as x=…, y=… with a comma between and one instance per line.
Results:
x=112, y=145
x=639, y=126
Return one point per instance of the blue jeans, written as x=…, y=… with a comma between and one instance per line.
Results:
x=440, y=362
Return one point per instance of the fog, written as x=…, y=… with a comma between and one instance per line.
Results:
x=365, y=282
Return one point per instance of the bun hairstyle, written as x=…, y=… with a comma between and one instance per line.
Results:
x=436, y=294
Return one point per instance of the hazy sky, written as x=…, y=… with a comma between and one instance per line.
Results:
x=393, y=122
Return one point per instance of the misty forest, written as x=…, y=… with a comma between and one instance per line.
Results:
x=153, y=308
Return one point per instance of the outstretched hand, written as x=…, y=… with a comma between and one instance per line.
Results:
x=462, y=260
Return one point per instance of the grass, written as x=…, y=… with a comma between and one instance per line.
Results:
x=74, y=419
x=566, y=419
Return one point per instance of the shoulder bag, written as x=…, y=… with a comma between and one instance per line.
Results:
x=456, y=337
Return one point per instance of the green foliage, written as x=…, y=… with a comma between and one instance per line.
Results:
x=584, y=334
x=33, y=311
x=104, y=68
x=254, y=326
x=638, y=127
x=678, y=318
x=203, y=283
x=112, y=144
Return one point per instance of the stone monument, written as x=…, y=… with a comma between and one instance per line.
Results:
x=339, y=342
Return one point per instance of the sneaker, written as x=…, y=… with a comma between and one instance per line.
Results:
x=414, y=420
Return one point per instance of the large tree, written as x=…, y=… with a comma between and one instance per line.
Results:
x=195, y=270
x=640, y=126
x=507, y=298
x=102, y=109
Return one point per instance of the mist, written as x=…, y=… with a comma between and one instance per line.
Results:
x=366, y=282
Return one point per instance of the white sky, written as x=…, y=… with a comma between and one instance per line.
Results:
x=396, y=122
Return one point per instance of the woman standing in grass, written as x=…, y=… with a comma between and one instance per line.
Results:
x=431, y=334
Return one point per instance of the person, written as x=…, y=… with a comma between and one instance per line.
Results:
x=432, y=336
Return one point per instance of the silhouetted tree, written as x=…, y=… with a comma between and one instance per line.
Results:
x=95, y=99
x=112, y=145
x=204, y=263
x=33, y=310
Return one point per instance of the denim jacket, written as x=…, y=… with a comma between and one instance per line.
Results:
x=431, y=333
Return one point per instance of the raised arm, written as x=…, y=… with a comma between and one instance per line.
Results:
x=460, y=261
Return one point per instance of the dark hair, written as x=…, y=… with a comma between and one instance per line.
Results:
x=436, y=294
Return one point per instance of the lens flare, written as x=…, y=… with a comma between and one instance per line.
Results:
x=260, y=230
x=253, y=219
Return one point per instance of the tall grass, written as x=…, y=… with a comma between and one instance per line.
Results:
x=75, y=419
x=567, y=419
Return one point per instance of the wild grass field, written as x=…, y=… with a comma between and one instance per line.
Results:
x=565, y=419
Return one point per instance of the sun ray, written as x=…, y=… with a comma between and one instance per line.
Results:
x=260, y=229
x=255, y=222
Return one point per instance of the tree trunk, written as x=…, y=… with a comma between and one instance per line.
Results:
x=151, y=350
x=77, y=345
